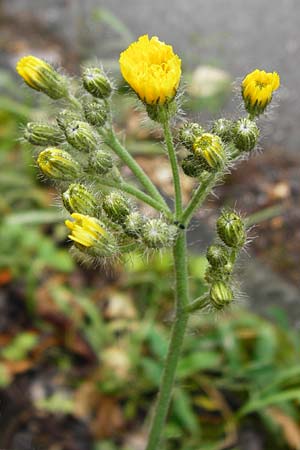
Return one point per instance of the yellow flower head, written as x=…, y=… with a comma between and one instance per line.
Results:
x=41, y=76
x=85, y=230
x=152, y=69
x=257, y=90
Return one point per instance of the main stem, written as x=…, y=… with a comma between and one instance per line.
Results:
x=178, y=331
x=174, y=166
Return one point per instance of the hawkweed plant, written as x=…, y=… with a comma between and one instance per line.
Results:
x=79, y=152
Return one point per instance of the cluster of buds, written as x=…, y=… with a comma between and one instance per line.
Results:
x=228, y=139
x=104, y=222
x=77, y=153
x=222, y=256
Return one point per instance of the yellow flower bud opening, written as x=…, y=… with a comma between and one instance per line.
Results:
x=29, y=68
x=85, y=230
x=152, y=69
x=41, y=76
x=257, y=90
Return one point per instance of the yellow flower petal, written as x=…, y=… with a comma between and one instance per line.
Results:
x=152, y=69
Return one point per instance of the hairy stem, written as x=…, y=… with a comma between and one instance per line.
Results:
x=174, y=166
x=198, y=198
x=175, y=345
x=113, y=142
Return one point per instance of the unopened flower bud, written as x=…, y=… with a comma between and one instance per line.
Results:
x=81, y=135
x=191, y=166
x=58, y=164
x=133, y=224
x=41, y=76
x=231, y=229
x=188, y=133
x=217, y=255
x=245, y=134
x=43, y=134
x=91, y=236
x=96, y=82
x=116, y=206
x=95, y=113
x=223, y=129
x=101, y=161
x=65, y=117
x=220, y=294
x=80, y=200
x=209, y=151
x=158, y=234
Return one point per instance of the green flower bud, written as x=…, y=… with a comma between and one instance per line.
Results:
x=133, y=224
x=116, y=206
x=91, y=236
x=158, y=234
x=220, y=295
x=81, y=135
x=223, y=129
x=101, y=161
x=96, y=82
x=218, y=273
x=191, y=166
x=217, y=255
x=209, y=151
x=231, y=229
x=43, y=134
x=188, y=133
x=65, y=117
x=95, y=113
x=245, y=133
x=58, y=164
x=79, y=199
x=41, y=76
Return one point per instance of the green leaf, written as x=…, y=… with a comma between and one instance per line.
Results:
x=261, y=403
x=182, y=407
x=20, y=346
x=196, y=362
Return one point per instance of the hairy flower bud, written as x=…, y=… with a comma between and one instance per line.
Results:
x=245, y=134
x=58, y=164
x=209, y=150
x=95, y=113
x=101, y=161
x=41, y=76
x=188, y=133
x=91, y=236
x=220, y=294
x=116, y=206
x=158, y=234
x=133, y=224
x=217, y=255
x=80, y=200
x=191, y=166
x=96, y=82
x=43, y=134
x=231, y=229
x=223, y=129
x=65, y=117
x=81, y=135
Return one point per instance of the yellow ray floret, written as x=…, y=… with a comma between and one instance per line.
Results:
x=85, y=230
x=30, y=68
x=152, y=69
x=257, y=89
